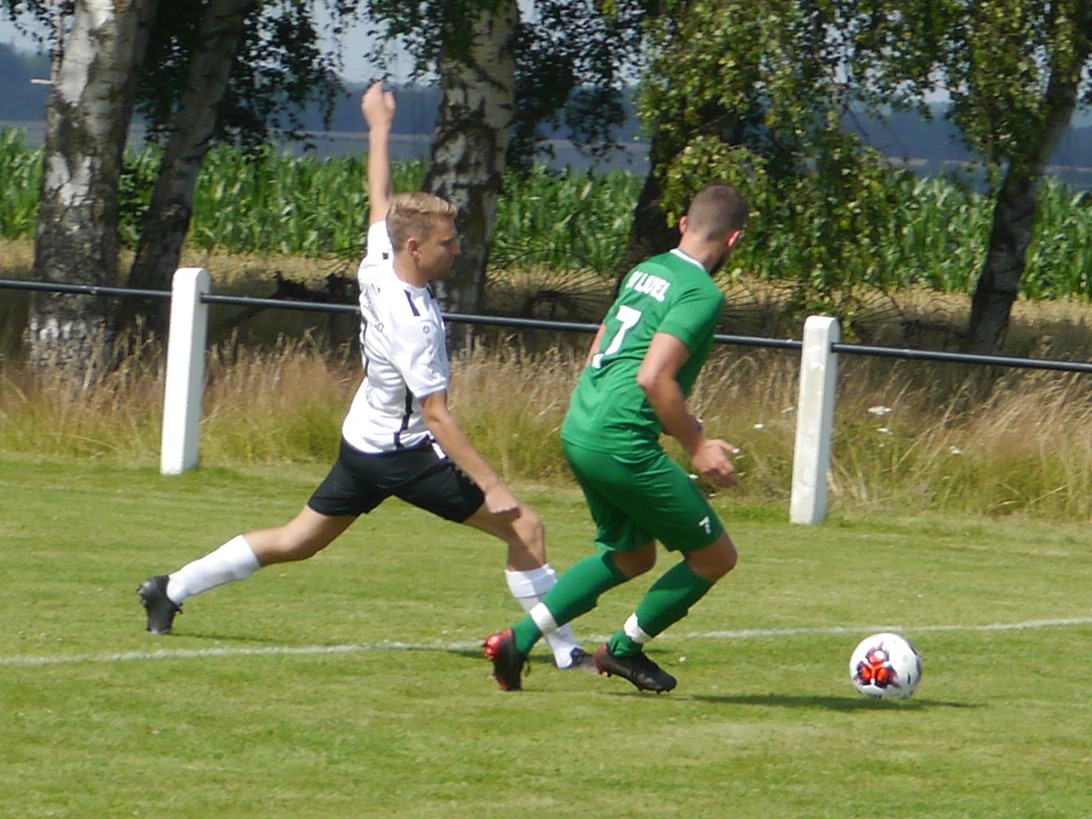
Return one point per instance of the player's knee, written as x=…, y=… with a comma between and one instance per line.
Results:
x=715, y=560
x=646, y=562
x=532, y=524
x=635, y=563
x=729, y=559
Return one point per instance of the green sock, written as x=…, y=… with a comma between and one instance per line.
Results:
x=666, y=602
x=576, y=592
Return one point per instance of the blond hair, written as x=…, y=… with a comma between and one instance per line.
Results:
x=413, y=215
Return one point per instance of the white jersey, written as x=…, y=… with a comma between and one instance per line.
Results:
x=405, y=354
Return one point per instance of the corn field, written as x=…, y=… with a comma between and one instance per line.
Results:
x=20, y=174
x=273, y=204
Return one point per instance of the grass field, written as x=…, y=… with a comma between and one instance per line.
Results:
x=352, y=685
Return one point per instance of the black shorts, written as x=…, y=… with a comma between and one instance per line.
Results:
x=359, y=482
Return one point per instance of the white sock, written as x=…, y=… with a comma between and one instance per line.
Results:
x=529, y=588
x=233, y=561
x=634, y=631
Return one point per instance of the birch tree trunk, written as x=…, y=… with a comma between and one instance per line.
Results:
x=167, y=219
x=1015, y=209
x=466, y=164
x=999, y=282
x=1013, y=220
x=87, y=123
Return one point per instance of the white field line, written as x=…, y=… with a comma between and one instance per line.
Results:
x=356, y=648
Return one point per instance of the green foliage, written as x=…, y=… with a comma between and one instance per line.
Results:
x=284, y=205
x=751, y=94
x=941, y=241
x=707, y=160
x=281, y=67
x=353, y=684
x=135, y=186
x=1059, y=262
x=774, y=80
x=1004, y=64
x=565, y=221
x=21, y=170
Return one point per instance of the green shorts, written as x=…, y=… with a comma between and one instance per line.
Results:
x=640, y=497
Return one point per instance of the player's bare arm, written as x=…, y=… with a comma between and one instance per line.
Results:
x=378, y=108
x=449, y=435
x=657, y=377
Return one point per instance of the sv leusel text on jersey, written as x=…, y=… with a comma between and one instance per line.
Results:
x=650, y=285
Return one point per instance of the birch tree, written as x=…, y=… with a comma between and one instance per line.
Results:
x=1017, y=77
x=236, y=71
x=87, y=118
x=1013, y=70
x=466, y=161
x=198, y=73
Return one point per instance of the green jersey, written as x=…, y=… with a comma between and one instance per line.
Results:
x=671, y=293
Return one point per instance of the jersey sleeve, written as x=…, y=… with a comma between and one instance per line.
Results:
x=377, y=252
x=693, y=316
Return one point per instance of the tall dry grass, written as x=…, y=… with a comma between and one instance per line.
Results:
x=283, y=404
x=70, y=411
x=908, y=434
x=971, y=442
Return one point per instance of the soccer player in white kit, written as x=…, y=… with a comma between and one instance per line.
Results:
x=398, y=437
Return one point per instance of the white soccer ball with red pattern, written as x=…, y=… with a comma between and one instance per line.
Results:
x=885, y=666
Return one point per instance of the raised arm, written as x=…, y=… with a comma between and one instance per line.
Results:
x=378, y=108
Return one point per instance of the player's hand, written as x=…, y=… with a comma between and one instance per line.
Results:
x=501, y=502
x=378, y=106
x=711, y=460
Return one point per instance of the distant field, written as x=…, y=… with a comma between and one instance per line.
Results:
x=352, y=685
x=629, y=156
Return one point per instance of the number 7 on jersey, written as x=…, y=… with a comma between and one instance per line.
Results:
x=627, y=318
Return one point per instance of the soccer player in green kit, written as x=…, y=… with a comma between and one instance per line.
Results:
x=641, y=367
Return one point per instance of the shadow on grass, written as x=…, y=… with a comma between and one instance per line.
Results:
x=825, y=703
x=803, y=701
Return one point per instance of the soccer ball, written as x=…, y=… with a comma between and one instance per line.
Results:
x=885, y=666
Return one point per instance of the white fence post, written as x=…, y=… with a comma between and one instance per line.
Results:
x=185, y=371
x=814, y=420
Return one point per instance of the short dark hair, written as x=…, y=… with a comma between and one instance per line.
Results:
x=717, y=210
